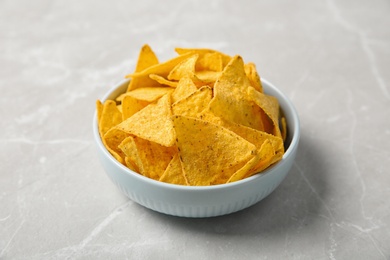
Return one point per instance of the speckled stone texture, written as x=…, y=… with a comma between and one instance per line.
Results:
x=332, y=59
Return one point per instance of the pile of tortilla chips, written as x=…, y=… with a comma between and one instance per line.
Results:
x=200, y=118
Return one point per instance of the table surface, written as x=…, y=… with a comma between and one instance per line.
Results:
x=331, y=58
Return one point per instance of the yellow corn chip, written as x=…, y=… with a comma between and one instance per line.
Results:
x=263, y=160
x=131, y=105
x=231, y=101
x=210, y=154
x=186, y=68
x=174, y=172
x=152, y=123
x=111, y=140
x=151, y=158
x=99, y=109
x=208, y=76
x=142, y=79
x=201, y=51
x=185, y=87
x=253, y=76
x=269, y=105
x=211, y=61
x=163, y=81
x=194, y=104
x=146, y=94
x=245, y=170
x=283, y=123
x=146, y=59
x=110, y=117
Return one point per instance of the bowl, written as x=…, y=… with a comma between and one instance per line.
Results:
x=202, y=201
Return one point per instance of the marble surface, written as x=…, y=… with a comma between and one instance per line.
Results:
x=332, y=58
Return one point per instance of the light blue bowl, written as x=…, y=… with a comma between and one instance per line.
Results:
x=202, y=201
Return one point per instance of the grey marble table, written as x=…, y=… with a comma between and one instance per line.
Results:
x=332, y=58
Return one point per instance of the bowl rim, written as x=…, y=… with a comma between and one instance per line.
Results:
x=294, y=140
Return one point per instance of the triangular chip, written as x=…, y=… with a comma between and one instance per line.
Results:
x=174, y=173
x=99, y=109
x=211, y=61
x=149, y=94
x=111, y=140
x=131, y=105
x=245, y=170
x=209, y=153
x=142, y=79
x=146, y=59
x=230, y=94
x=253, y=76
x=208, y=76
x=153, y=123
x=186, y=68
x=150, y=158
x=202, y=52
x=270, y=106
x=185, y=87
x=163, y=81
x=193, y=104
x=110, y=117
x=264, y=159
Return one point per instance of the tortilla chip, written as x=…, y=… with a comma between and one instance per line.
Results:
x=185, y=88
x=131, y=105
x=149, y=94
x=174, y=173
x=193, y=104
x=209, y=154
x=270, y=106
x=253, y=76
x=186, y=68
x=230, y=94
x=112, y=140
x=152, y=123
x=146, y=59
x=110, y=117
x=163, y=81
x=150, y=158
x=202, y=52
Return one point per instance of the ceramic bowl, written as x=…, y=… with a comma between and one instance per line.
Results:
x=202, y=201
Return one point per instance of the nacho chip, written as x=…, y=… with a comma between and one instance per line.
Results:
x=245, y=170
x=110, y=117
x=283, y=124
x=211, y=61
x=152, y=123
x=186, y=68
x=253, y=76
x=263, y=159
x=149, y=94
x=270, y=106
x=185, y=88
x=208, y=76
x=231, y=101
x=210, y=154
x=174, y=173
x=131, y=164
x=163, y=81
x=201, y=51
x=131, y=105
x=150, y=158
x=99, y=110
x=111, y=140
x=146, y=59
x=193, y=104
x=129, y=148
